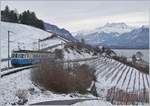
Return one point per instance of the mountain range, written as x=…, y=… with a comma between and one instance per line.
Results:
x=60, y=31
x=117, y=35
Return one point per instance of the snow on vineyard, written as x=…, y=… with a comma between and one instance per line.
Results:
x=113, y=74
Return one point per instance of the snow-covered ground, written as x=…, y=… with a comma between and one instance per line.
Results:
x=109, y=72
x=13, y=84
x=93, y=103
x=73, y=54
x=21, y=36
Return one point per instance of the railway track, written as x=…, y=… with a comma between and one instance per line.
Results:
x=15, y=70
x=7, y=68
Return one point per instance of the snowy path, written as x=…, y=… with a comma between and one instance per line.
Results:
x=15, y=70
x=62, y=102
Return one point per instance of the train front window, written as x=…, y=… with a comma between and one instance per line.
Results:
x=14, y=55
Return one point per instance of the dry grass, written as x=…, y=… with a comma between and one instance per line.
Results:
x=55, y=77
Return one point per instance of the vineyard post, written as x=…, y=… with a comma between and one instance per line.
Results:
x=113, y=95
x=126, y=100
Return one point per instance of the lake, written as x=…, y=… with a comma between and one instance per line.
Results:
x=130, y=52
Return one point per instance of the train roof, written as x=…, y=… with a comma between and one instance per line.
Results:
x=31, y=51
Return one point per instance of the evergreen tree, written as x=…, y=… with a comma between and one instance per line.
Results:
x=26, y=17
x=5, y=14
x=6, y=11
x=13, y=17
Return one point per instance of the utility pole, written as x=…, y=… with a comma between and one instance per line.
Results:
x=38, y=44
x=61, y=44
x=8, y=47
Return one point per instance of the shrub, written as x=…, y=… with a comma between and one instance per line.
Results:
x=84, y=76
x=22, y=96
x=55, y=77
x=59, y=54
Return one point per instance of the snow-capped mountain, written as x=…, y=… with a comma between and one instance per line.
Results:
x=62, y=32
x=137, y=38
x=117, y=35
x=115, y=27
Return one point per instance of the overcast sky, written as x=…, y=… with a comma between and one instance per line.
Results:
x=83, y=15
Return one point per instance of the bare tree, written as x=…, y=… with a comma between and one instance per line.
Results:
x=139, y=55
x=59, y=53
x=134, y=59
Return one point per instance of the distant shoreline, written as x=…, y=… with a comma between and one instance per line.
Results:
x=130, y=48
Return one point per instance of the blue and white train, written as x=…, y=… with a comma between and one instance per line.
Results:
x=28, y=57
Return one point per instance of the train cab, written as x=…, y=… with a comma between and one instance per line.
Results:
x=28, y=57
x=20, y=58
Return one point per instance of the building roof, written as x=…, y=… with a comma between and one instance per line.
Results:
x=31, y=51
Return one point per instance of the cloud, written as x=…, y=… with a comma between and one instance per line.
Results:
x=133, y=18
x=77, y=15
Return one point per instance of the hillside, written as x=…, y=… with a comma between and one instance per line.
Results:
x=61, y=31
x=21, y=36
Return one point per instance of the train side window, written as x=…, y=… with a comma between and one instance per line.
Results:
x=31, y=55
x=21, y=55
x=24, y=55
x=16, y=55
